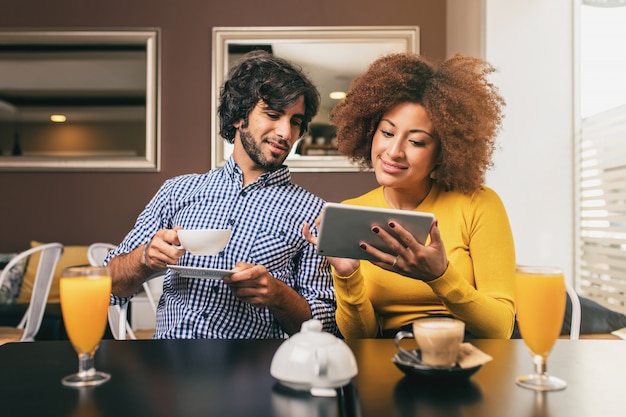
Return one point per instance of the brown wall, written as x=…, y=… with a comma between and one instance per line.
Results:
x=80, y=208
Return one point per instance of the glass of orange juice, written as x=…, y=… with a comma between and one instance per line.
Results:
x=540, y=298
x=85, y=293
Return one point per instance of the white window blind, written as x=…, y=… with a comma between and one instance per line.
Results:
x=602, y=208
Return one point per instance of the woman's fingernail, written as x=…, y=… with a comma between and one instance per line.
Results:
x=375, y=229
x=392, y=225
x=362, y=246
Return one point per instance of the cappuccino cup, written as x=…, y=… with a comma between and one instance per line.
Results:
x=203, y=242
x=438, y=339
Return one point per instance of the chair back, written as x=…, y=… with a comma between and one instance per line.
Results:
x=97, y=252
x=574, y=332
x=118, y=314
x=118, y=322
x=50, y=254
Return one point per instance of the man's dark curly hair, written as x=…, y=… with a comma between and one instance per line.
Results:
x=464, y=108
x=263, y=76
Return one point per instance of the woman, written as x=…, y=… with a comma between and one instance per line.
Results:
x=429, y=134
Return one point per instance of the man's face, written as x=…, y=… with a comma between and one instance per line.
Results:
x=269, y=134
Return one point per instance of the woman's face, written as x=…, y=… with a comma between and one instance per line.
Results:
x=403, y=151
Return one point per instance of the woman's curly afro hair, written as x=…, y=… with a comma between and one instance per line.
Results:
x=464, y=107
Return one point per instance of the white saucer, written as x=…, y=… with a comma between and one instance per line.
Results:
x=195, y=272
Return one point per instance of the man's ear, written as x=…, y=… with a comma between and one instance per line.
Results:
x=238, y=123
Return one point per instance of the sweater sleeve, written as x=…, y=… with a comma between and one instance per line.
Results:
x=355, y=314
x=487, y=305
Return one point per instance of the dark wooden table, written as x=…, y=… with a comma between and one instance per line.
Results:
x=230, y=378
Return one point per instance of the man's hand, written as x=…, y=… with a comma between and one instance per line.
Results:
x=254, y=285
x=129, y=271
x=162, y=249
x=343, y=266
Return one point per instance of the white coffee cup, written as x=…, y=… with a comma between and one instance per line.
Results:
x=438, y=338
x=203, y=242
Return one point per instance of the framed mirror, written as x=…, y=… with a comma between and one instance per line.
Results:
x=331, y=56
x=79, y=100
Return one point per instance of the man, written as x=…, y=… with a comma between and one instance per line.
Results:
x=279, y=282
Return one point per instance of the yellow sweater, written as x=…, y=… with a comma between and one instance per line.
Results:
x=477, y=286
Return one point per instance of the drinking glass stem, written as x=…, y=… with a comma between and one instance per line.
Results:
x=85, y=364
x=541, y=368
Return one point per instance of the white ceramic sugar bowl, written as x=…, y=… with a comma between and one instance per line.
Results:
x=313, y=359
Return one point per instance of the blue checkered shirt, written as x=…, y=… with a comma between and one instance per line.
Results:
x=266, y=219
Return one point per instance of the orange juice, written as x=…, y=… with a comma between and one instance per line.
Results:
x=84, y=304
x=540, y=303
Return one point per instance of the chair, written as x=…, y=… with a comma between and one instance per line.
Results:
x=30, y=323
x=118, y=315
x=574, y=332
x=97, y=252
x=118, y=321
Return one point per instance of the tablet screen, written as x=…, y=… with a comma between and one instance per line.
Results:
x=345, y=226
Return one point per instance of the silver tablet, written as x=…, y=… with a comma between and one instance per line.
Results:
x=345, y=226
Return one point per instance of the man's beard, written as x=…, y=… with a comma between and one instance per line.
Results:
x=253, y=149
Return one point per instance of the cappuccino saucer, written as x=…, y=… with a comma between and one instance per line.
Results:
x=415, y=369
x=194, y=272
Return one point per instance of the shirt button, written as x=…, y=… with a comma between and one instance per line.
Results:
x=205, y=315
x=216, y=289
x=231, y=221
x=243, y=193
x=221, y=254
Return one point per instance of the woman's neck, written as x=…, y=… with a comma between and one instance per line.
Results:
x=403, y=199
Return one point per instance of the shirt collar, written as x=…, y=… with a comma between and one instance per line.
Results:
x=281, y=176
